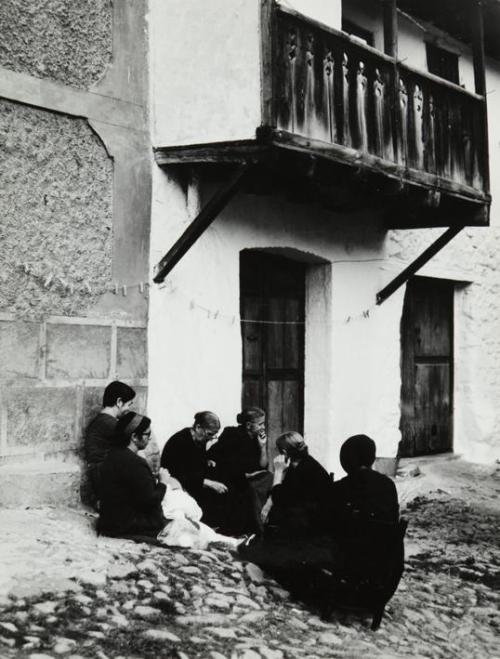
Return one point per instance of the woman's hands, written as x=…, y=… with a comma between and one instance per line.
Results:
x=220, y=488
x=262, y=438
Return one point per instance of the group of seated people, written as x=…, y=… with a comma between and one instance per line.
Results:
x=221, y=490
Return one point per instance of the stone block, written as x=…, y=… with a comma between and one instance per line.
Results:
x=141, y=400
x=78, y=351
x=39, y=483
x=132, y=354
x=92, y=404
x=19, y=349
x=40, y=416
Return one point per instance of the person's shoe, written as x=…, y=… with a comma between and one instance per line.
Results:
x=245, y=540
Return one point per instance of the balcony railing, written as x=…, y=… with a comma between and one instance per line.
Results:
x=329, y=88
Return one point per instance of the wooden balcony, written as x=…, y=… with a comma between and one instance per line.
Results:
x=360, y=128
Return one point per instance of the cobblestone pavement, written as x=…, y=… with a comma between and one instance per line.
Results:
x=65, y=593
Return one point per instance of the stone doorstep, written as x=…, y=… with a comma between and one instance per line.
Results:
x=37, y=483
x=411, y=467
x=427, y=459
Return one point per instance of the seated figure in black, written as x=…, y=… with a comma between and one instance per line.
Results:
x=185, y=457
x=131, y=497
x=301, y=490
x=364, y=493
x=295, y=534
x=99, y=435
x=240, y=460
x=368, y=534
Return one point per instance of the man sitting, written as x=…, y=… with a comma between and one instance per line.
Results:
x=117, y=399
x=185, y=457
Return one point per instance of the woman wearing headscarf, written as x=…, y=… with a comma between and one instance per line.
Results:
x=240, y=460
x=131, y=497
x=364, y=494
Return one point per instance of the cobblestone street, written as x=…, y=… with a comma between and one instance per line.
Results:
x=66, y=593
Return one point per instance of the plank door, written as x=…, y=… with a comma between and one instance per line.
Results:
x=427, y=368
x=272, y=293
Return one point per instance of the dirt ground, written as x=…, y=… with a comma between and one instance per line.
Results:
x=66, y=593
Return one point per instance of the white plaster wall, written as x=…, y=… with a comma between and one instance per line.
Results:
x=328, y=12
x=352, y=384
x=352, y=373
x=205, y=70
x=471, y=257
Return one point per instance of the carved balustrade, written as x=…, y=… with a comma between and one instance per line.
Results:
x=330, y=88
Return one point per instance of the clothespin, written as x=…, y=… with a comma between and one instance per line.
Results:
x=116, y=288
x=366, y=313
x=348, y=319
x=141, y=287
x=124, y=290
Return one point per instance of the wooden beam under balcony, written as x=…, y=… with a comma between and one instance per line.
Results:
x=238, y=151
x=201, y=222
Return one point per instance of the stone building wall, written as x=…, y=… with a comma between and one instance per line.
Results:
x=74, y=217
x=62, y=40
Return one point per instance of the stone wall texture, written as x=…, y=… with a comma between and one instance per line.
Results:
x=55, y=210
x=68, y=41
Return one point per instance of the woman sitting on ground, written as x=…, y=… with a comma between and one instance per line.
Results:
x=294, y=536
x=135, y=505
x=301, y=489
x=131, y=498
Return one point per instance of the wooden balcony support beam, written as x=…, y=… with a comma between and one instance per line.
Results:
x=201, y=222
x=420, y=261
x=479, y=59
x=391, y=28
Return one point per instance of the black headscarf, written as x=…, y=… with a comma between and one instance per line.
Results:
x=356, y=452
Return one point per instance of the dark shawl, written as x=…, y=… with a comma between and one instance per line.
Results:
x=235, y=454
x=300, y=501
x=186, y=461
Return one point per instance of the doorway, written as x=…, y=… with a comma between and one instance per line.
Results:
x=272, y=329
x=427, y=368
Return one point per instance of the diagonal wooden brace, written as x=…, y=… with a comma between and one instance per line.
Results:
x=201, y=222
x=420, y=261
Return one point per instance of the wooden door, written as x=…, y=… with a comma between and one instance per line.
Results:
x=272, y=295
x=427, y=368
